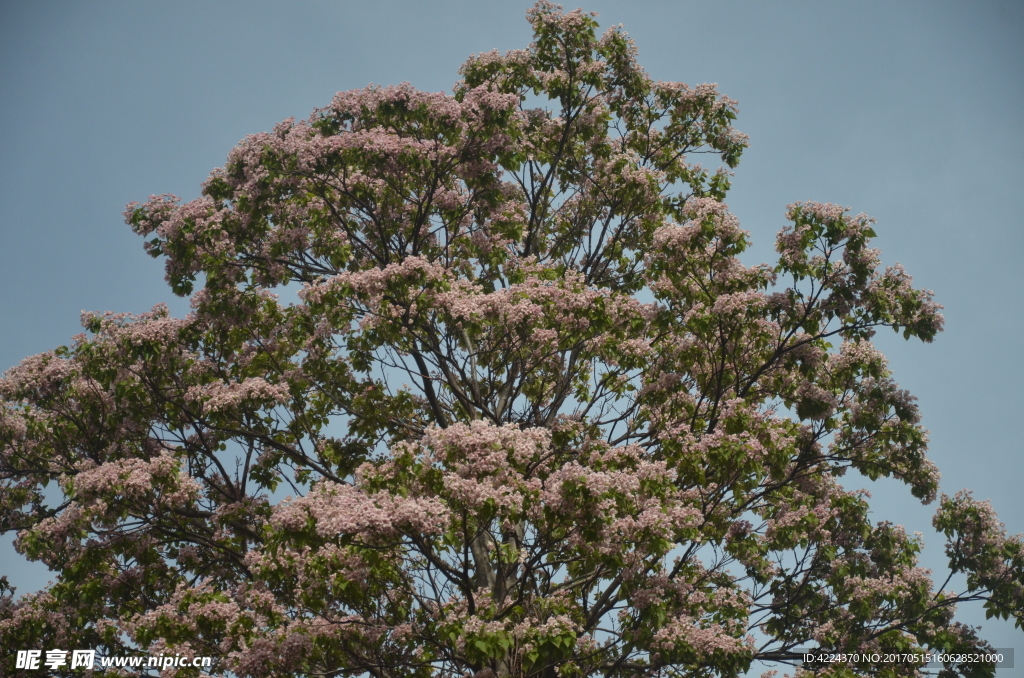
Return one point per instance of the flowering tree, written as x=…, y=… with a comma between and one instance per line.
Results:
x=534, y=416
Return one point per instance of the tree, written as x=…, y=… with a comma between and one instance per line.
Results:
x=616, y=449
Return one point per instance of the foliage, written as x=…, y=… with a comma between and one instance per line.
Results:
x=616, y=448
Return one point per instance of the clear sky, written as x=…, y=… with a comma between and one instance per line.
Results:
x=908, y=111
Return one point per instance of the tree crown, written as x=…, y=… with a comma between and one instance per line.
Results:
x=535, y=416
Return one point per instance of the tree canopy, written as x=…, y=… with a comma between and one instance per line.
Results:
x=532, y=415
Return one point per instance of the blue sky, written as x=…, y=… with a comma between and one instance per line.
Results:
x=909, y=111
